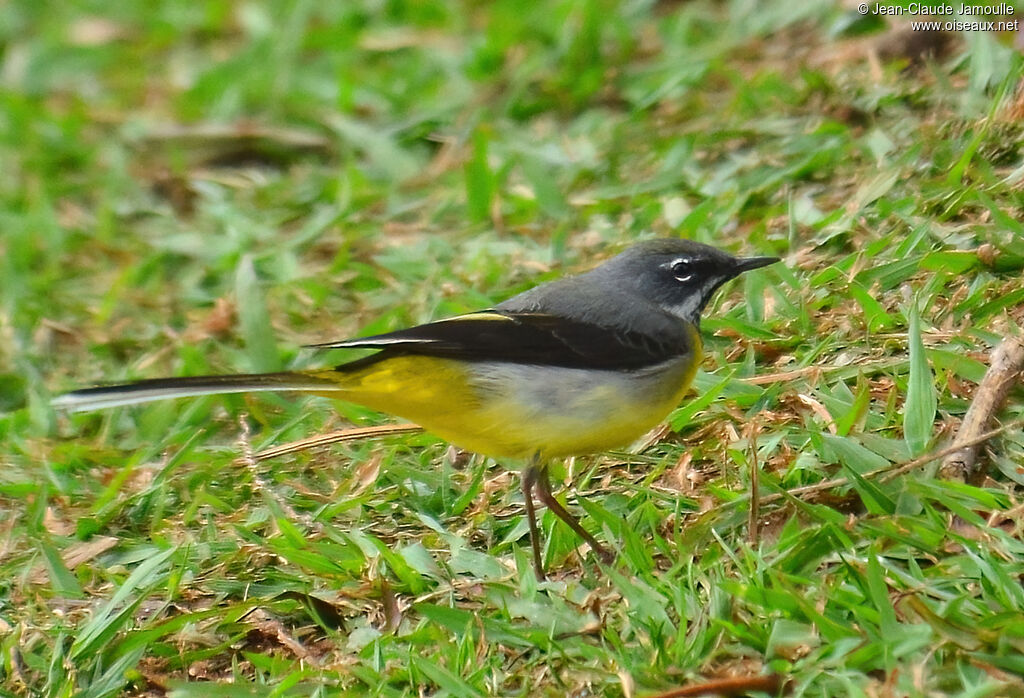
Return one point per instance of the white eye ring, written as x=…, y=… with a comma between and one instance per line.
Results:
x=682, y=269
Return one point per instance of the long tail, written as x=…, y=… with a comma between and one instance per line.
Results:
x=163, y=388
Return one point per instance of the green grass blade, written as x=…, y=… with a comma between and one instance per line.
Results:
x=921, y=402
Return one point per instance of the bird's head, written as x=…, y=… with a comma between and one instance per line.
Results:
x=680, y=276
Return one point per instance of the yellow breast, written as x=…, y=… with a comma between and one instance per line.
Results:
x=508, y=410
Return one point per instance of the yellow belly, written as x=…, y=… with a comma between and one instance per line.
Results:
x=514, y=411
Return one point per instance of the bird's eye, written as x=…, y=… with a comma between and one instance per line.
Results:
x=682, y=269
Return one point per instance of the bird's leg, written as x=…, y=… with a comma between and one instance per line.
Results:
x=544, y=492
x=529, y=480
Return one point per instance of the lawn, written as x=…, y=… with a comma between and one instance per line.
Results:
x=191, y=188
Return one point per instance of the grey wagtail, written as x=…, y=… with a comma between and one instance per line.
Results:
x=574, y=366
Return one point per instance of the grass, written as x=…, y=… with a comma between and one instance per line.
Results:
x=380, y=164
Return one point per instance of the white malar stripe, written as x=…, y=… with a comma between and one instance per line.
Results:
x=691, y=306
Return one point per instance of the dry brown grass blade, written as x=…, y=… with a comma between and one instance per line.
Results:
x=769, y=378
x=336, y=437
x=217, y=142
x=75, y=555
x=893, y=470
x=739, y=686
x=1004, y=371
x=754, y=513
x=814, y=373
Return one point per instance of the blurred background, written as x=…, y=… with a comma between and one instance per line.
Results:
x=192, y=188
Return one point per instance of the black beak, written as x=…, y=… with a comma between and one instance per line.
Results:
x=748, y=263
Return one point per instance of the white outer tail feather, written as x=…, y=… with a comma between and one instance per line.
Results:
x=164, y=388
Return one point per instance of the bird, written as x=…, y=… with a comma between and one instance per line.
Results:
x=574, y=366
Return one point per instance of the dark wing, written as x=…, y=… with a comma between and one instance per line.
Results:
x=523, y=337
